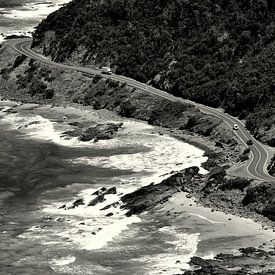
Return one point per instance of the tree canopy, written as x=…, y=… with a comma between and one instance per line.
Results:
x=220, y=53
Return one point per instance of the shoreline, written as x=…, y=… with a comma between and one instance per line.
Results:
x=69, y=108
x=182, y=202
x=74, y=113
x=191, y=205
x=77, y=112
x=63, y=108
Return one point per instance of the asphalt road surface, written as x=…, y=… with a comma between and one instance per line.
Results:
x=257, y=163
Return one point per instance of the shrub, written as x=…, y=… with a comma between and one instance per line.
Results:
x=49, y=93
x=246, y=151
x=96, y=78
x=238, y=183
x=19, y=60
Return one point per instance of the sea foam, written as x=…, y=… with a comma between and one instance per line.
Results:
x=95, y=227
x=175, y=260
x=87, y=227
x=35, y=10
x=38, y=127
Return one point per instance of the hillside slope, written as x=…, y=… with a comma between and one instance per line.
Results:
x=219, y=53
x=26, y=80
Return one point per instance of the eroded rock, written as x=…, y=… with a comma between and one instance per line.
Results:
x=111, y=190
x=76, y=203
x=95, y=201
x=100, y=131
x=149, y=196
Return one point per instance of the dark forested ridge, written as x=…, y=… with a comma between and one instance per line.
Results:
x=220, y=53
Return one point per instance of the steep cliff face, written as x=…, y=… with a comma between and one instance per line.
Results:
x=219, y=53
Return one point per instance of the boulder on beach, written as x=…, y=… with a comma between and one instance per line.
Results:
x=95, y=133
x=76, y=203
x=10, y=111
x=99, y=192
x=100, y=131
x=29, y=124
x=111, y=190
x=147, y=197
x=106, y=207
x=95, y=201
x=104, y=191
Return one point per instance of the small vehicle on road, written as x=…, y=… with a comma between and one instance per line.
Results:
x=106, y=70
x=235, y=127
x=249, y=142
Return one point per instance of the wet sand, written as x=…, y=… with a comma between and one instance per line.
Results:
x=219, y=232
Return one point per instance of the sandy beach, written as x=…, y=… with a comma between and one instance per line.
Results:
x=220, y=232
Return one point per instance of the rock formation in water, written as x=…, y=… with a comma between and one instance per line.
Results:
x=94, y=133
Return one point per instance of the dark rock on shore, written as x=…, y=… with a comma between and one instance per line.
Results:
x=250, y=261
x=100, y=197
x=237, y=196
x=111, y=190
x=95, y=201
x=103, y=191
x=106, y=207
x=100, y=131
x=150, y=196
x=75, y=204
x=95, y=133
x=10, y=111
x=78, y=202
x=29, y=124
x=100, y=191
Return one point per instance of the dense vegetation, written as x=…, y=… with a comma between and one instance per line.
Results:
x=220, y=53
x=35, y=79
x=271, y=166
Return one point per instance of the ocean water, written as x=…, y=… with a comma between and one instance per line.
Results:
x=41, y=171
x=21, y=16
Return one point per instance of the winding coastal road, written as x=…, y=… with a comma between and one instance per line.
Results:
x=260, y=154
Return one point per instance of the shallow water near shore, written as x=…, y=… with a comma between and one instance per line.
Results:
x=41, y=171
